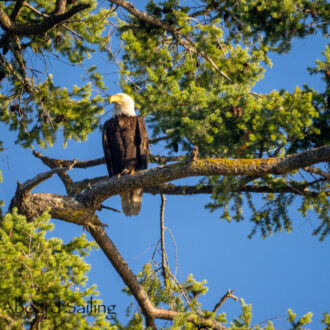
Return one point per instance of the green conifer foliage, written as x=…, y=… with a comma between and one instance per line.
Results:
x=32, y=103
x=192, y=71
x=44, y=280
x=193, y=82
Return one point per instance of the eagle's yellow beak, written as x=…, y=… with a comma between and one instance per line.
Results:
x=114, y=98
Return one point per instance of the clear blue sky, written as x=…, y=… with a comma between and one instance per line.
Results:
x=281, y=272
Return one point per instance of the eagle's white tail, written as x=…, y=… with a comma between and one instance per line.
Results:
x=131, y=201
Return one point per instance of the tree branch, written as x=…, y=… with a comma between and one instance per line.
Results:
x=229, y=294
x=157, y=159
x=318, y=171
x=26, y=4
x=52, y=162
x=162, y=239
x=203, y=167
x=171, y=189
x=162, y=138
x=71, y=210
x=63, y=175
x=80, y=209
x=149, y=179
x=66, y=163
x=122, y=268
x=17, y=10
x=28, y=185
x=49, y=23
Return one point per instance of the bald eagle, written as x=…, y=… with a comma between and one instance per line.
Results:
x=125, y=146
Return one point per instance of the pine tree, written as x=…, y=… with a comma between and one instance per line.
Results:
x=191, y=70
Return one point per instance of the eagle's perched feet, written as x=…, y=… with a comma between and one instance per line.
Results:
x=126, y=171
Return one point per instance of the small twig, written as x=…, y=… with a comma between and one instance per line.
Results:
x=162, y=240
x=223, y=299
x=154, y=253
x=109, y=208
x=175, y=249
x=162, y=138
x=316, y=170
x=182, y=289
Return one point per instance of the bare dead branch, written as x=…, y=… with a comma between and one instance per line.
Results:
x=122, y=269
x=162, y=240
x=109, y=208
x=63, y=175
x=52, y=162
x=28, y=185
x=67, y=163
x=229, y=294
x=318, y=171
x=182, y=289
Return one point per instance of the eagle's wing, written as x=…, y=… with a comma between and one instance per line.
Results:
x=106, y=147
x=142, y=144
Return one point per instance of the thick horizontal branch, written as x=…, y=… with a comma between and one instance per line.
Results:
x=100, y=188
x=171, y=189
x=60, y=207
x=204, y=167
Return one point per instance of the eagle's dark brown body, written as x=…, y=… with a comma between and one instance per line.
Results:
x=125, y=145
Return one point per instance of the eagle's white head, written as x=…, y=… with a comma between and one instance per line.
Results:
x=124, y=105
